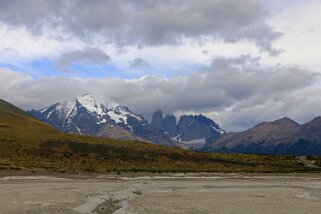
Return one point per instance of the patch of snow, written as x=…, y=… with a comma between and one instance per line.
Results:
x=131, y=128
x=91, y=105
x=79, y=131
x=177, y=138
x=124, y=111
x=118, y=118
x=135, y=116
x=221, y=131
x=102, y=121
x=196, y=143
x=120, y=114
x=200, y=141
x=49, y=114
x=43, y=110
x=89, y=102
x=66, y=108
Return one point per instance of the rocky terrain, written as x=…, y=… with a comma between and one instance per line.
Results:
x=192, y=131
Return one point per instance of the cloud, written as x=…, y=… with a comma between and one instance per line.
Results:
x=237, y=92
x=139, y=63
x=205, y=52
x=145, y=22
x=88, y=56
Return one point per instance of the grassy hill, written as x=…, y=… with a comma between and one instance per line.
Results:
x=28, y=143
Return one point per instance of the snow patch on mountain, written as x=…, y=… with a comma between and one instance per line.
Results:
x=221, y=131
x=65, y=110
x=89, y=102
x=117, y=117
x=200, y=141
x=49, y=115
x=78, y=129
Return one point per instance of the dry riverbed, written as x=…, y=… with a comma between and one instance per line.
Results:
x=170, y=193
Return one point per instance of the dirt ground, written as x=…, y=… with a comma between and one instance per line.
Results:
x=170, y=193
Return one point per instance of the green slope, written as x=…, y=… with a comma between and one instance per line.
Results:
x=27, y=142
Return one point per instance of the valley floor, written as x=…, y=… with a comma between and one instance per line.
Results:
x=170, y=193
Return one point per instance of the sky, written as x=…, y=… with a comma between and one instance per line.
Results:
x=239, y=62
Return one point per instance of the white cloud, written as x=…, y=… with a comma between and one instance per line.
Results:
x=301, y=41
x=46, y=29
x=237, y=92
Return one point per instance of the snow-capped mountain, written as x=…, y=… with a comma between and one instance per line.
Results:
x=86, y=116
x=193, y=131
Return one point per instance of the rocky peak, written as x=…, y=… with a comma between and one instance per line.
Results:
x=89, y=102
x=193, y=130
x=287, y=122
x=314, y=126
x=170, y=125
x=157, y=120
x=316, y=120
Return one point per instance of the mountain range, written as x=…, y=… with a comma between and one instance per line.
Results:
x=86, y=116
x=283, y=136
x=29, y=145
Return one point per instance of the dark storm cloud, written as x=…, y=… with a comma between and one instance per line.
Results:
x=88, y=56
x=237, y=91
x=147, y=22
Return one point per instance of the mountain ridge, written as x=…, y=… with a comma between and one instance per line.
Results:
x=191, y=131
x=283, y=136
x=86, y=116
x=29, y=144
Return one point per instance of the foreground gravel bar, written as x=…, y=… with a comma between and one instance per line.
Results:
x=171, y=193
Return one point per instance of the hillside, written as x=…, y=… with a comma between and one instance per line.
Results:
x=28, y=143
x=283, y=136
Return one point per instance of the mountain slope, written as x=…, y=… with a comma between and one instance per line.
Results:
x=28, y=143
x=86, y=116
x=13, y=118
x=283, y=136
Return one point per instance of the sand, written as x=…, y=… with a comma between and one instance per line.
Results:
x=174, y=193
